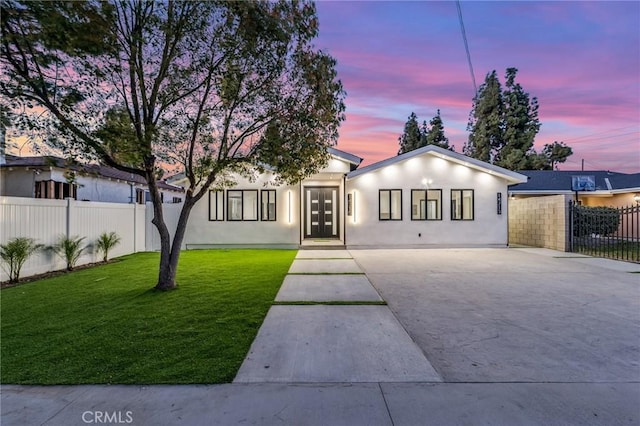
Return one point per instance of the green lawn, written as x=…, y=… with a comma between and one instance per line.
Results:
x=105, y=325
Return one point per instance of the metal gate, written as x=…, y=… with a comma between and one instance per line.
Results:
x=611, y=232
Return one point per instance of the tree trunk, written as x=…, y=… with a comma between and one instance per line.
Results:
x=166, y=274
x=170, y=252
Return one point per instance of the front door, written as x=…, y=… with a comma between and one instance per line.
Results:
x=321, y=212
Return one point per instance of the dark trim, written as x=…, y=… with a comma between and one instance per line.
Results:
x=473, y=204
x=304, y=212
x=426, y=202
x=275, y=204
x=215, y=192
x=242, y=219
x=390, y=203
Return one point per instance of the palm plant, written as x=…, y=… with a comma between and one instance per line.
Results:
x=15, y=253
x=107, y=241
x=70, y=249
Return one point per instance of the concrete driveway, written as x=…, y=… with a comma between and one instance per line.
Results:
x=514, y=315
x=504, y=337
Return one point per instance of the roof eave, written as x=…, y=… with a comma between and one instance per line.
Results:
x=446, y=154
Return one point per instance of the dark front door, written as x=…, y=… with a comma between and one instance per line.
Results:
x=321, y=212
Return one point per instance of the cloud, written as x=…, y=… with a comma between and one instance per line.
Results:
x=580, y=59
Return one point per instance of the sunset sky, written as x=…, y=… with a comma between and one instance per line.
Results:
x=580, y=59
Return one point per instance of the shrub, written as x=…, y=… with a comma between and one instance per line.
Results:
x=70, y=249
x=15, y=253
x=595, y=220
x=107, y=241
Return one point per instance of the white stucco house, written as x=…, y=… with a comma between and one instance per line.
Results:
x=430, y=197
x=48, y=177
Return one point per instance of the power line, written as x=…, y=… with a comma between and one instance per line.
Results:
x=466, y=48
x=604, y=132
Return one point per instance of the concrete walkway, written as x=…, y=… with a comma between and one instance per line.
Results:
x=339, y=340
x=348, y=404
x=520, y=337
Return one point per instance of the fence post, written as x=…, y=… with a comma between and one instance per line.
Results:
x=135, y=229
x=68, y=215
x=570, y=236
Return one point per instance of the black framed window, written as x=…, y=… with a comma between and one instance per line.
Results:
x=426, y=204
x=142, y=196
x=462, y=204
x=390, y=204
x=242, y=204
x=55, y=190
x=268, y=203
x=216, y=205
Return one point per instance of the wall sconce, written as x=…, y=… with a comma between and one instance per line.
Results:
x=290, y=207
x=351, y=205
x=636, y=198
x=354, y=206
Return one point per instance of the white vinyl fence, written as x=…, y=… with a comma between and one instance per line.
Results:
x=47, y=220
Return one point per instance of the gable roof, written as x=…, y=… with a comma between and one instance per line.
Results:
x=447, y=155
x=559, y=181
x=350, y=158
x=90, y=169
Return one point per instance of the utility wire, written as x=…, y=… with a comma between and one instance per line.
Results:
x=466, y=48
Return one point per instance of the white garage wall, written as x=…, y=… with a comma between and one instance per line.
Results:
x=427, y=172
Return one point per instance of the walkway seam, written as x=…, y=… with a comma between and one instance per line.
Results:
x=386, y=405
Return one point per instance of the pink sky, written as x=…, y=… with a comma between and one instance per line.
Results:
x=580, y=59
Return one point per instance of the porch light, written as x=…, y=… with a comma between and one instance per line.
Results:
x=636, y=198
x=354, y=207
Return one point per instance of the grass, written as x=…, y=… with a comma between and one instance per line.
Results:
x=618, y=250
x=333, y=303
x=106, y=325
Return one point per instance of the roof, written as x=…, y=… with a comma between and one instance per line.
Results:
x=353, y=159
x=445, y=154
x=92, y=169
x=559, y=181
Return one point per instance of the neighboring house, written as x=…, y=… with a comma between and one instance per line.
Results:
x=54, y=178
x=602, y=188
x=427, y=197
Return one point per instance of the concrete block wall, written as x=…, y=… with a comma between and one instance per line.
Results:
x=540, y=221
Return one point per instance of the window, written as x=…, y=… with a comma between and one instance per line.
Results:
x=176, y=200
x=462, y=204
x=216, y=205
x=242, y=204
x=55, y=190
x=426, y=204
x=390, y=201
x=142, y=196
x=268, y=211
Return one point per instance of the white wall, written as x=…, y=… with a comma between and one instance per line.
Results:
x=114, y=191
x=20, y=182
x=17, y=182
x=487, y=229
x=202, y=233
x=47, y=220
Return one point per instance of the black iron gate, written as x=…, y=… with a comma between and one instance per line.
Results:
x=612, y=232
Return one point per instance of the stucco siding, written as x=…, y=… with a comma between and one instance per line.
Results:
x=488, y=228
x=617, y=200
x=17, y=183
x=202, y=232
